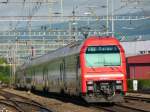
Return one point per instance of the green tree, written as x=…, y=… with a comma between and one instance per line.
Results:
x=4, y=70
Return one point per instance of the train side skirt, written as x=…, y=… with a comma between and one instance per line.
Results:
x=102, y=99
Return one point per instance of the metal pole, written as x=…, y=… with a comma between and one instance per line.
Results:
x=112, y=10
x=50, y=13
x=62, y=10
x=107, y=26
x=10, y=59
x=10, y=78
x=14, y=62
x=44, y=48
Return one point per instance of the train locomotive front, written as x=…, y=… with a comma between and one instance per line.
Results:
x=103, y=70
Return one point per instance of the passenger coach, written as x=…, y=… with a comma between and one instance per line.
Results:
x=94, y=69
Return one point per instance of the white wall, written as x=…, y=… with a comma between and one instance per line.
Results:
x=135, y=47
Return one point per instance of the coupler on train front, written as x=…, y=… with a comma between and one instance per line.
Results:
x=104, y=92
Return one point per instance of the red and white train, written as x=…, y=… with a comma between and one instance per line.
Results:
x=94, y=69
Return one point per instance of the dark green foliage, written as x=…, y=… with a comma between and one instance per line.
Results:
x=4, y=78
x=130, y=84
x=4, y=71
x=143, y=84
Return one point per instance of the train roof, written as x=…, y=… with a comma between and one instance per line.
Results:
x=70, y=49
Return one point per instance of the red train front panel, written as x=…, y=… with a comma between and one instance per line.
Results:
x=103, y=68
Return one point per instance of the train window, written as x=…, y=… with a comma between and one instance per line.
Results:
x=97, y=56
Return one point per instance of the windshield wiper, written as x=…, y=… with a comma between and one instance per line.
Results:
x=111, y=65
x=91, y=66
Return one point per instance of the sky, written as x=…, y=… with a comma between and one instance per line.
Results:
x=19, y=8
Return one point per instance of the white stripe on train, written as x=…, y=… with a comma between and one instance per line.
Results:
x=103, y=75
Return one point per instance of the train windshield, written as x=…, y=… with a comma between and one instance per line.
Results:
x=99, y=56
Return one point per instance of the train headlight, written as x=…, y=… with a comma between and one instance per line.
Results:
x=90, y=88
x=118, y=85
x=118, y=81
x=89, y=82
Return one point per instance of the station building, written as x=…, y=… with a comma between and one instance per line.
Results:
x=138, y=59
x=133, y=48
x=138, y=67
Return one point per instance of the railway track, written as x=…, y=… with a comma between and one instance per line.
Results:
x=21, y=104
x=131, y=104
x=137, y=98
x=119, y=108
x=8, y=105
x=112, y=108
x=140, y=91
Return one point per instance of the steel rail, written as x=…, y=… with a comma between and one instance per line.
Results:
x=131, y=108
x=120, y=108
x=26, y=101
x=137, y=98
x=13, y=105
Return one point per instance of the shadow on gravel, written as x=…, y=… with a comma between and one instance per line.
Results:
x=69, y=99
x=103, y=104
x=62, y=97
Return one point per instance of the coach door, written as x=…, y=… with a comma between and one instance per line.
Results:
x=77, y=74
x=45, y=78
x=33, y=78
x=62, y=75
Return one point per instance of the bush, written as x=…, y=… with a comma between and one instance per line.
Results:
x=4, y=71
x=143, y=84
x=4, y=78
x=130, y=84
